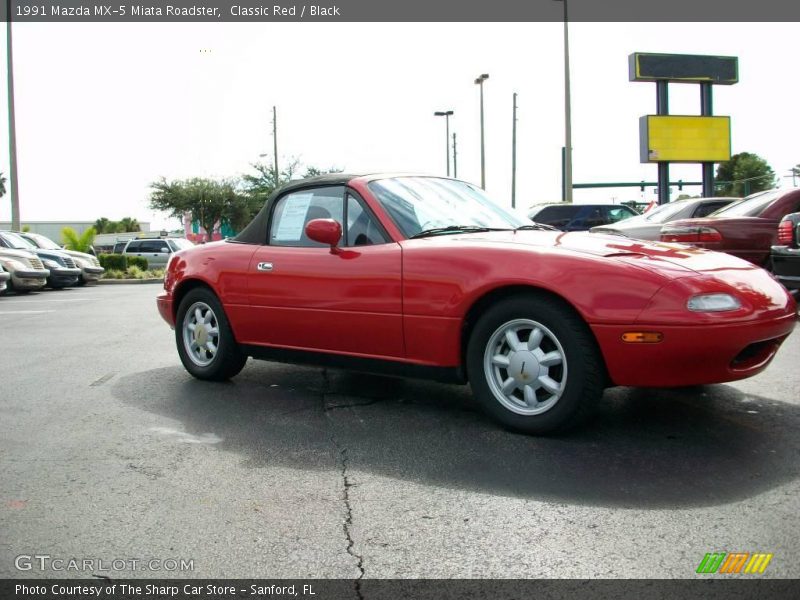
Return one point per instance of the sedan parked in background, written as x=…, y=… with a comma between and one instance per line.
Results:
x=26, y=270
x=786, y=253
x=4, y=277
x=648, y=225
x=426, y=276
x=63, y=272
x=90, y=267
x=746, y=229
x=579, y=217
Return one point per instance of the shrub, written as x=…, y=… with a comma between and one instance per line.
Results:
x=134, y=272
x=113, y=274
x=114, y=262
x=137, y=261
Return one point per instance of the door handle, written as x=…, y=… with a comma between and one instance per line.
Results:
x=264, y=266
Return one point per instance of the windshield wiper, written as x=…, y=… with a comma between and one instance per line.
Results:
x=454, y=229
x=536, y=227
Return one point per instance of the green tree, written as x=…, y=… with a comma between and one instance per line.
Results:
x=745, y=173
x=210, y=202
x=79, y=243
x=130, y=224
x=101, y=225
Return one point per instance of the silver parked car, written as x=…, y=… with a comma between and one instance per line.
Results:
x=88, y=264
x=4, y=277
x=648, y=225
x=156, y=250
x=26, y=270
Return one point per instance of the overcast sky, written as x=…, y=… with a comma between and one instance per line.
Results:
x=105, y=109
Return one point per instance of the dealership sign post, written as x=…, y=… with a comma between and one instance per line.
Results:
x=666, y=138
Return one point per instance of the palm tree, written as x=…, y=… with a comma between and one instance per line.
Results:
x=79, y=243
x=130, y=224
x=101, y=225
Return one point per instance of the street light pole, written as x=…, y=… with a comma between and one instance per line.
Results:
x=479, y=81
x=567, y=113
x=446, y=114
x=12, y=129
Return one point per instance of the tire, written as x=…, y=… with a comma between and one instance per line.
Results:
x=201, y=311
x=567, y=375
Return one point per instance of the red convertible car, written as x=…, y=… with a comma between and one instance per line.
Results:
x=746, y=229
x=425, y=276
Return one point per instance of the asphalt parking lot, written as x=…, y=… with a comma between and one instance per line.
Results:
x=109, y=450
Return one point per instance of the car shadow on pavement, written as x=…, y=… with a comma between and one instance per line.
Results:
x=642, y=448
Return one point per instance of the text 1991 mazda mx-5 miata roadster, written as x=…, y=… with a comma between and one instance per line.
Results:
x=426, y=277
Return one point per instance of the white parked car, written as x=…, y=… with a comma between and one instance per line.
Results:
x=648, y=225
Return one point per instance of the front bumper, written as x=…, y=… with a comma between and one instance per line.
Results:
x=29, y=280
x=63, y=277
x=786, y=266
x=92, y=273
x=692, y=355
x=164, y=303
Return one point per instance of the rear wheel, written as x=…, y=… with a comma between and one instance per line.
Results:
x=204, y=338
x=534, y=365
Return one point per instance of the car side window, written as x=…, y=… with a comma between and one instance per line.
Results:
x=618, y=213
x=133, y=246
x=362, y=229
x=293, y=211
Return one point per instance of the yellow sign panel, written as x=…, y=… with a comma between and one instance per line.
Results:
x=673, y=138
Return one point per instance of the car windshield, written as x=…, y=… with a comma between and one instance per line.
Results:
x=17, y=241
x=181, y=243
x=752, y=206
x=418, y=204
x=42, y=242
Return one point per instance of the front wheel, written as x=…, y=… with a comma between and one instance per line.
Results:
x=204, y=338
x=534, y=365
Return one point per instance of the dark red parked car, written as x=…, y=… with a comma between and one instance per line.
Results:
x=786, y=253
x=746, y=229
x=425, y=276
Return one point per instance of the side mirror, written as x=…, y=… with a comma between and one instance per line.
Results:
x=164, y=250
x=325, y=231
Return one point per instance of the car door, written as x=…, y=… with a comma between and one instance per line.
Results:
x=304, y=296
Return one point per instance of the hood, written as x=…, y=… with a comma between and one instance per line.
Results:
x=81, y=255
x=56, y=255
x=673, y=260
x=16, y=254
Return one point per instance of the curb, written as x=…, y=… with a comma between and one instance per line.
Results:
x=127, y=281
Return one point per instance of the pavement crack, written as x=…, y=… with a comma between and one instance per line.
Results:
x=344, y=460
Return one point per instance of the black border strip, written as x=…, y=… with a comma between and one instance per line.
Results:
x=403, y=11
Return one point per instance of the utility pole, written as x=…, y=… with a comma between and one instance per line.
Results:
x=567, y=151
x=455, y=164
x=514, y=154
x=275, y=140
x=12, y=129
x=446, y=114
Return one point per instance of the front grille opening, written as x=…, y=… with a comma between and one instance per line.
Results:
x=756, y=354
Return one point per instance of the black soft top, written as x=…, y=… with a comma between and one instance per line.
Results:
x=256, y=230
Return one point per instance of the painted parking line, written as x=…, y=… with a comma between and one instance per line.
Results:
x=31, y=300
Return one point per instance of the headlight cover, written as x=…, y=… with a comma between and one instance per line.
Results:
x=50, y=264
x=713, y=303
